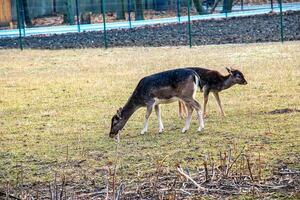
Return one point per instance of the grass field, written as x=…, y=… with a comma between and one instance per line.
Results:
x=56, y=109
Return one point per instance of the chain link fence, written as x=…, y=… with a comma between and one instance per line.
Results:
x=147, y=22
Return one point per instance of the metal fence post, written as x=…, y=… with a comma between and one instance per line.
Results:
x=22, y=16
x=189, y=23
x=281, y=20
x=226, y=6
x=272, y=5
x=104, y=23
x=19, y=24
x=129, y=12
x=178, y=10
x=77, y=16
x=242, y=4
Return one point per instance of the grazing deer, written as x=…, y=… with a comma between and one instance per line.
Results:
x=214, y=82
x=161, y=88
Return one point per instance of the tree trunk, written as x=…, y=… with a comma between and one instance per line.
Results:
x=199, y=8
x=227, y=6
x=26, y=13
x=139, y=10
x=120, y=9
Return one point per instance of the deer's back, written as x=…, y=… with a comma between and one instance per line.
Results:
x=164, y=85
x=208, y=77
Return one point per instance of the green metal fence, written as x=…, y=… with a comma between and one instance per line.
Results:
x=129, y=14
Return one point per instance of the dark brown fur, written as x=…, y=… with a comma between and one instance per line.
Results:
x=215, y=82
x=159, y=88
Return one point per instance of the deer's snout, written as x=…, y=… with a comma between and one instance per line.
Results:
x=112, y=135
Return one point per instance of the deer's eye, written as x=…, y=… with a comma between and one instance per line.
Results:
x=116, y=121
x=238, y=75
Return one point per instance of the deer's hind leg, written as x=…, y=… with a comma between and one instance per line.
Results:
x=195, y=105
x=158, y=113
x=188, y=118
x=150, y=106
x=182, y=110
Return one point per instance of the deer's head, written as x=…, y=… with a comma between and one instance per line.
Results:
x=237, y=76
x=117, y=123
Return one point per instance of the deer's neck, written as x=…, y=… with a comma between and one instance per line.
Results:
x=129, y=108
x=228, y=82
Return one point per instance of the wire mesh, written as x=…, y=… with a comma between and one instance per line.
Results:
x=186, y=20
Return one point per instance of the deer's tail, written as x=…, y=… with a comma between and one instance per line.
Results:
x=198, y=81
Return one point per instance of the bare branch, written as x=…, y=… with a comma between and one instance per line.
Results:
x=180, y=170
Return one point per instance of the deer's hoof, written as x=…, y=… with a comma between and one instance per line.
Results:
x=184, y=130
x=200, y=129
x=182, y=116
x=143, y=132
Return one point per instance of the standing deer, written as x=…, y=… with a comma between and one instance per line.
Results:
x=161, y=88
x=214, y=82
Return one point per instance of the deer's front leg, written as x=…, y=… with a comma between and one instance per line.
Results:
x=216, y=94
x=148, y=113
x=158, y=113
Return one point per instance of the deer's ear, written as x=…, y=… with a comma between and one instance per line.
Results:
x=119, y=113
x=229, y=70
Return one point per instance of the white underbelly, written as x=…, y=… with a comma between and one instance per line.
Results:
x=165, y=101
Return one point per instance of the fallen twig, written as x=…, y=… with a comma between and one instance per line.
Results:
x=120, y=191
x=180, y=170
x=5, y=195
x=186, y=192
x=249, y=168
x=234, y=161
x=287, y=173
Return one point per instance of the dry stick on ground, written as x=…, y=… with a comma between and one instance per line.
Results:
x=222, y=161
x=206, y=170
x=107, y=183
x=180, y=170
x=120, y=191
x=228, y=161
x=228, y=169
x=249, y=167
x=55, y=185
x=287, y=173
x=50, y=191
x=114, y=182
x=7, y=196
x=259, y=167
x=62, y=187
x=213, y=171
x=115, y=168
x=173, y=186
